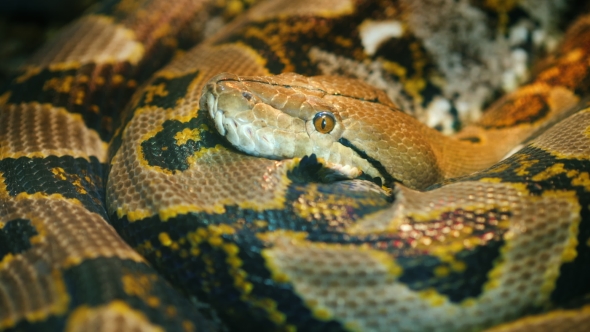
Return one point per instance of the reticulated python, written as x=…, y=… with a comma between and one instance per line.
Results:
x=263, y=244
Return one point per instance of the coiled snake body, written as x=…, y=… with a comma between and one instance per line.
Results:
x=368, y=220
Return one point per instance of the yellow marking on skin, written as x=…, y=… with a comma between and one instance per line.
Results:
x=155, y=90
x=260, y=223
x=79, y=187
x=144, y=248
x=499, y=169
x=491, y=180
x=395, y=68
x=4, y=98
x=233, y=8
x=569, y=251
x=187, y=134
x=447, y=251
x=529, y=323
x=117, y=79
x=433, y=297
x=59, y=173
x=133, y=215
x=64, y=66
x=169, y=75
x=582, y=180
x=38, y=154
x=4, y=193
x=502, y=7
x=352, y=326
x=84, y=315
x=549, y=172
x=6, y=260
x=61, y=84
x=313, y=203
x=74, y=179
x=30, y=71
x=525, y=165
x=188, y=326
x=153, y=301
x=171, y=311
x=322, y=313
x=346, y=42
x=127, y=6
x=165, y=239
x=142, y=287
x=39, y=195
x=41, y=236
x=458, y=266
x=441, y=271
x=99, y=80
x=80, y=94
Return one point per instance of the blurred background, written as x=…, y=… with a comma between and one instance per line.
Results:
x=26, y=24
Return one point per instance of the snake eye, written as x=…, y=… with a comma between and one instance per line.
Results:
x=324, y=122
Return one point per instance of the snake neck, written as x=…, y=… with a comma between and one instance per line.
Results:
x=419, y=156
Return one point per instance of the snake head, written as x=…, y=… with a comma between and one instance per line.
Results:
x=349, y=124
x=274, y=117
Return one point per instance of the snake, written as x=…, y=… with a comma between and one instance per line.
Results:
x=242, y=165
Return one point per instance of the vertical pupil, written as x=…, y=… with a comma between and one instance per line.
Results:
x=323, y=123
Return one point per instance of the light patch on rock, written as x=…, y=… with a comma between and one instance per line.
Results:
x=373, y=33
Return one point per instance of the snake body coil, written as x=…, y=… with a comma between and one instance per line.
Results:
x=452, y=239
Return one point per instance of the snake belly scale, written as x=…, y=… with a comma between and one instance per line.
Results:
x=289, y=202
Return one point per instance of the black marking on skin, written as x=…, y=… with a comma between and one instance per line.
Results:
x=471, y=139
x=176, y=88
x=457, y=286
x=15, y=237
x=162, y=150
x=389, y=179
x=73, y=176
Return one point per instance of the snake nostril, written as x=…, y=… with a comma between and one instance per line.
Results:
x=247, y=95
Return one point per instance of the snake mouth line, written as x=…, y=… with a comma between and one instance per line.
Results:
x=389, y=179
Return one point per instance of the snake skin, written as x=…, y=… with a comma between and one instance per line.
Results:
x=92, y=190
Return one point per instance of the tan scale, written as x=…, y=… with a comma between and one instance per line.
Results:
x=116, y=316
x=31, y=285
x=37, y=130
